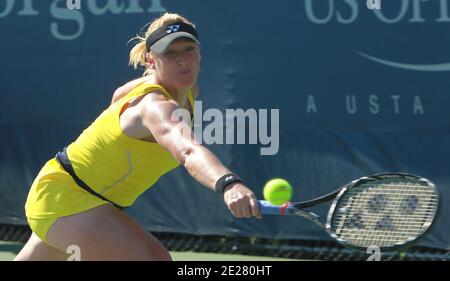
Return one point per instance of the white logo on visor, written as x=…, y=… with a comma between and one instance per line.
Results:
x=173, y=28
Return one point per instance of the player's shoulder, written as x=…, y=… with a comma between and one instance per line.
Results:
x=125, y=89
x=156, y=96
x=129, y=86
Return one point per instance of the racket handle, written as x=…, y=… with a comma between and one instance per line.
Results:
x=267, y=208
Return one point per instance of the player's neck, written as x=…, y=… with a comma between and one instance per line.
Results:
x=179, y=95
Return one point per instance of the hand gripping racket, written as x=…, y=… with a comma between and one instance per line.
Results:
x=389, y=211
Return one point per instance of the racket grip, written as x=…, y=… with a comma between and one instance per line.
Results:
x=267, y=208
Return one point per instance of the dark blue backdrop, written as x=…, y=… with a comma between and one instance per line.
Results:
x=358, y=91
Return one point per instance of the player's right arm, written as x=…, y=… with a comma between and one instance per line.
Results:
x=176, y=136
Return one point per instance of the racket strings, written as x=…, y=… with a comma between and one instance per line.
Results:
x=386, y=227
x=384, y=213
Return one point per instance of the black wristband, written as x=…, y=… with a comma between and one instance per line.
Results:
x=226, y=180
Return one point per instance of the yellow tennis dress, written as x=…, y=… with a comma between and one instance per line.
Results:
x=114, y=165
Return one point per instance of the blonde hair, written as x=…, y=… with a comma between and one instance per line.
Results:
x=138, y=52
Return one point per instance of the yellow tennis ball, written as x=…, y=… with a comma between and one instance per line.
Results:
x=277, y=191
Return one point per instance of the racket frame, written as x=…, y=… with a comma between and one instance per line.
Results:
x=297, y=208
x=369, y=178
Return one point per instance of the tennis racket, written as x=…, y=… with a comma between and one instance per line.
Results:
x=389, y=211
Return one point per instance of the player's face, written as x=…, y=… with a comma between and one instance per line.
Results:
x=179, y=65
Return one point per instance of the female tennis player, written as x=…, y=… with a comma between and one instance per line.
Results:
x=76, y=199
